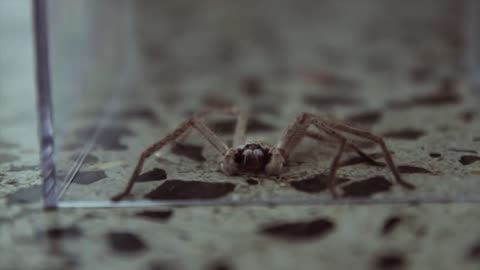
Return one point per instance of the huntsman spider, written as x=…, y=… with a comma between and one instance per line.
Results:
x=258, y=158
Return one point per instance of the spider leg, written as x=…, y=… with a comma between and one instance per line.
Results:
x=365, y=135
x=331, y=181
x=186, y=126
x=240, y=126
x=352, y=146
x=294, y=134
x=240, y=129
x=298, y=130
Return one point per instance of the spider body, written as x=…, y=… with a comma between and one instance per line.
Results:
x=257, y=158
x=252, y=157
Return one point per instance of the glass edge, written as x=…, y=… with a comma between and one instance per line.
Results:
x=44, y=103
x=402, y=200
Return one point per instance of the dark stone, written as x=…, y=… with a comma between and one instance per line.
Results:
x=161, y=265
x=7, y=158
x=138, y=114
x=359, y=159
x=333, y=82
x=390, y=224
x=154, y=175
x=475, y=252
x=225, y=127
x=365, y=118
x=157, y=215
x=315, y=184
x=190, y=190
x=447, y=85
x=252, y=182
x=405, y=134
x=256, y=125
x=88, y=177
x=445, y=95
x=193, y=152
x=219, y=265
x=215, y=101
x=125, y=243
x=72, y=146
x=468, y=159
x=365, y=144
x=89, y=159
x=389, y=261
x=421, y=74
x=412, y=169
x=7, y=145
x=299, y=230
x=367, y=187
x=22, y=168
x=252, y=87
x=26, y=195
x=435, y=155
x=467, y=116
x=59, y=233
x=109, y=137
x=70, y=260
x=330, y=101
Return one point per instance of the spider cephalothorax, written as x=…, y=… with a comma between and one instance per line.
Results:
x=252, y=157
x=260, y=158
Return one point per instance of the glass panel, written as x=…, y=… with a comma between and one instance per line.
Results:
x=126, y=73
x=19, y=178
x=89, y=69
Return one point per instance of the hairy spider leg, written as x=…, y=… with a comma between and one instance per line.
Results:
x=331, y=180
x=240, y=126
x=298, y=130
x=194, y=123
x=351, y=145
x=369, y=136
